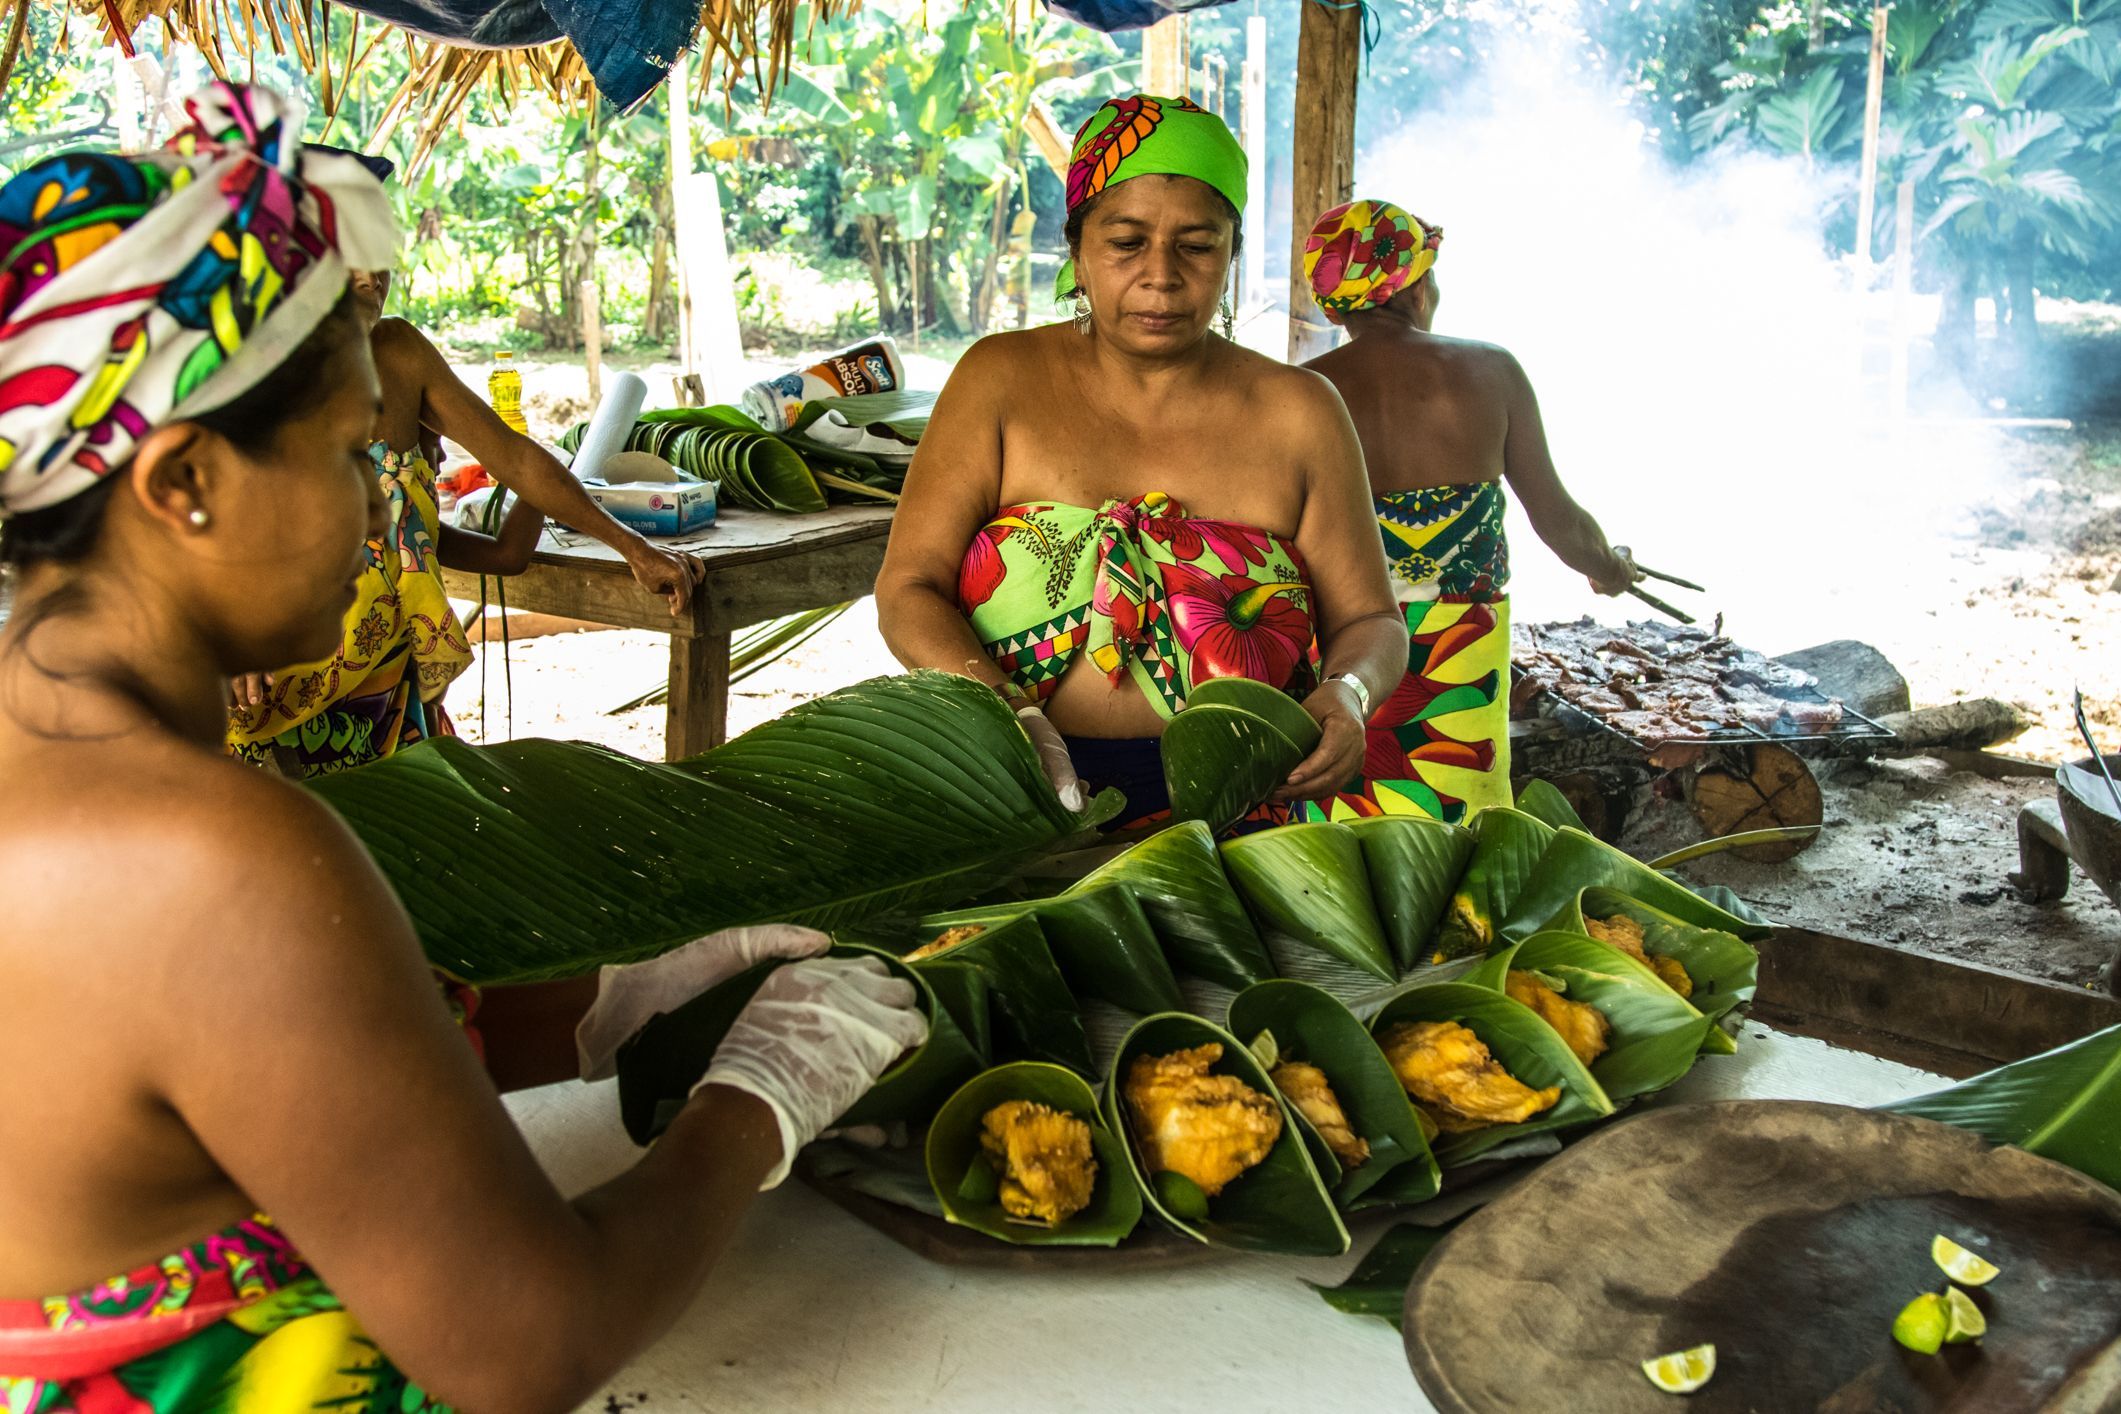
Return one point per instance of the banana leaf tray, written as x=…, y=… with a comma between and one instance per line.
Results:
x=1952, y=1018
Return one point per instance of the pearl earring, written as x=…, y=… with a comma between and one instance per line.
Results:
x=199, y=518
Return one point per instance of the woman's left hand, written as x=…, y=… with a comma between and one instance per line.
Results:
x=666, y=573
x=1340, y=745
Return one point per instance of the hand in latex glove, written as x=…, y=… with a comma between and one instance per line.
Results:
x=813, y=1040
x=1053, y=757
x=628, y=996
x=1617, y=573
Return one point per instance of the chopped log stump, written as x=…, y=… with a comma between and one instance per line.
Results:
x=1969, y=725
x=1763, y=787
x=1858, y=674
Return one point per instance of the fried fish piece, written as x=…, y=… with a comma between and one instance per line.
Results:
x=1582, y=1025
x=1448, y=1071
x=1210, y=1128
x=1305, y=1086
x=1624, y=933
x=946, y=940
x=1048, y=1167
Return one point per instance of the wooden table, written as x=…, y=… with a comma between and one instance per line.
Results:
x=759, y=566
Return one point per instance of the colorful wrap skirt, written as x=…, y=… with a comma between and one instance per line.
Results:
x=1439, y=742
x=402, y=647
x=236, y=1324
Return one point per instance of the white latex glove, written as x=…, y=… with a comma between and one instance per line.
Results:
x=812, y=1042
x=628, y=996
x=1053, y=757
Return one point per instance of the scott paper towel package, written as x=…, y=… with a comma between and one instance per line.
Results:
x=872, y=366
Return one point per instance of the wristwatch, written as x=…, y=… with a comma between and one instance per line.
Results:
x=1362, y=693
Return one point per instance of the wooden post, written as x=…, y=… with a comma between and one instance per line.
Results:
x=1873, y=103
x=1164, y=58
x=1253, y=288
x=593, y=340
x=677, y=101
x=718, y=340
x=1328, y=65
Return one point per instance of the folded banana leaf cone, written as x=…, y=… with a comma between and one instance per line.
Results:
x=863, y=808
x=1721, y=971
x=1508, y=846
x=1540, y=800
x=1362, y=1130
x=1177, y=877
x=1035, y=1015
x=1209, y=1119
x=1101, y=939
x=1576, y=861
x=1231, y=748
x=1043, y=1170
x=1517, y=1053
x=663, y=1061
x=1645, y=1035
x=1414, y=864
x=1309, y=889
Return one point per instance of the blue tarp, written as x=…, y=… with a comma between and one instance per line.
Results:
x=1114, y=15
x=628, y=45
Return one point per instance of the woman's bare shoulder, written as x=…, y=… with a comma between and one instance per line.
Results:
x=1002, y=358
x=170, y=832
x=1293, y=391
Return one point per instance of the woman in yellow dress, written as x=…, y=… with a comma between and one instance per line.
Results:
x=382, y=689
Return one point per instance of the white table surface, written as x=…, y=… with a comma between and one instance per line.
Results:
x=812, y=1310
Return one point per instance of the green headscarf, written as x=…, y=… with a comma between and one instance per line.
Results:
x=1145, y=137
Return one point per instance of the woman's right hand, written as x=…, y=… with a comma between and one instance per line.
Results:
x=812, y=1041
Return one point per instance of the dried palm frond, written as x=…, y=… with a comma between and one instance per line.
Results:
x=734, y=39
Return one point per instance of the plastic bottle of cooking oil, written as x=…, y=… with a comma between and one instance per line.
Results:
x=504, y=389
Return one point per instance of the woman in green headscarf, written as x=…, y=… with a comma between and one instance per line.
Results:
x=1106, y=512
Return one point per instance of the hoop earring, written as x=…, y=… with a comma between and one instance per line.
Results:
x=1082, y=313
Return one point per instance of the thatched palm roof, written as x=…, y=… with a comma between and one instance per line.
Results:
x=749, y=38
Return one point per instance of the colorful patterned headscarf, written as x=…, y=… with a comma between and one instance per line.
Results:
x=1144, y=136
x=1360, y=255
x=139, y=291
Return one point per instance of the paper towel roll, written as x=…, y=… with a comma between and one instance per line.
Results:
x=610, y=425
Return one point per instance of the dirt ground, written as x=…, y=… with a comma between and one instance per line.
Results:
x=2015, y=594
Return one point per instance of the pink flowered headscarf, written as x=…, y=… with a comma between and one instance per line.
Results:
x=136, y=291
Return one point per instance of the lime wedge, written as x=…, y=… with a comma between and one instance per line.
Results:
x=1966, y=1268
x=1181, y=1196
x=1683, y=1371
x=1963, y=1320
x=1921, y=1324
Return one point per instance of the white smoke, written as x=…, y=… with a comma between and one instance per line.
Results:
x=1696, y=350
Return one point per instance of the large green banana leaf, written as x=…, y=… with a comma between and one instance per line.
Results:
x=877, y=801
x=953, y=1147
x=1220, y=762
x=1655, y=1036
x=1576, y=861
x=1281, y=711
x=2064, y=1104
x=1414, y=864
x=1310, y=890
x=962, y=991
x=663, y=1061
x=1309, y=1025
x=1507, y=848
x=1724, y=970
x=1540, y=800
x=1520, y=1042
x=1177, y=877
x=1277, y=1205
x=1102, y=939
x=1378, y=1285
x=1038, y=1014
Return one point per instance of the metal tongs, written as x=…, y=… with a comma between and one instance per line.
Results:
x=1643, y=571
